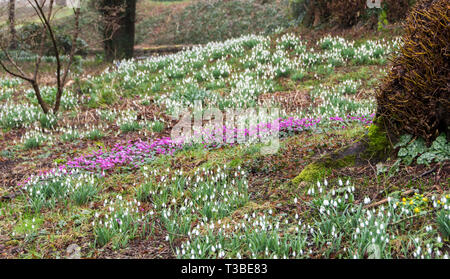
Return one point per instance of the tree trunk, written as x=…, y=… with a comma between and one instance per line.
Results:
x=314, y=11
x=12, y=23
x=317, y=16
x=119, y=18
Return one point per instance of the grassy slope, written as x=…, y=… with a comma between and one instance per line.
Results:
x=48, y=233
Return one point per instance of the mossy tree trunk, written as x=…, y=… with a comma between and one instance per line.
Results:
x=311, y=12
x=119, y=18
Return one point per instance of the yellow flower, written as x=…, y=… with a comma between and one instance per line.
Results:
x=404, y=199
x=416, y=210
x=411, y=202
x=425, y=199
x=439, y=202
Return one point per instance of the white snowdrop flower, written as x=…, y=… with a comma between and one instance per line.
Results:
x=295, y=200
x=326, y=203
x=340, y=182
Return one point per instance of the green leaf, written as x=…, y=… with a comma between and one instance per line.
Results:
x=403, y=152
x=403, y=141
x=426, y=158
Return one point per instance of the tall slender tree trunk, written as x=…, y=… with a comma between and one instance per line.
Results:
x=12, y=23
x=119, y=18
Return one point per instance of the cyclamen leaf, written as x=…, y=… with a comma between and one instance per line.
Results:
x=426, y=158
x=404, y=140
x=441, y=144
x=402, y=152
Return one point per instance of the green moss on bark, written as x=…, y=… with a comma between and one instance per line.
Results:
x=319, y=169
x=311, y=173
x=374, y=146
x=379, y=145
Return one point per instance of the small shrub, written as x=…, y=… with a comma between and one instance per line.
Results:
x=443, y=221
x=84, y=193
x=157, y=126
x=95, y=134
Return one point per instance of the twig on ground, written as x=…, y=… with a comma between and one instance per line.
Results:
x=385, y=200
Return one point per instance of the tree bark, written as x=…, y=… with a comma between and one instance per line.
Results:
x=119, y=18
x=317, y=16
x=12, y=23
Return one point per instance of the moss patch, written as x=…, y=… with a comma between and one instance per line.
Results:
x=318, y=170
x=379, y=144
x=311, y=173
